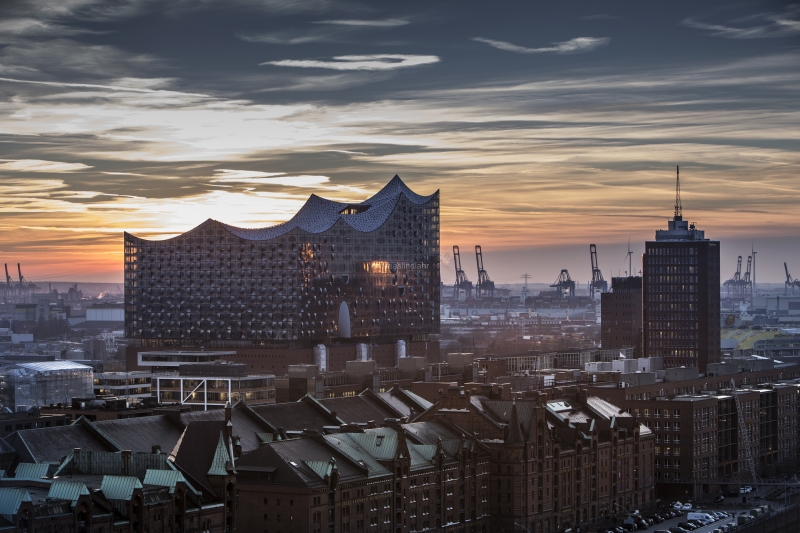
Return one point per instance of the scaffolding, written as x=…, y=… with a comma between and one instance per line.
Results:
x=47, y=383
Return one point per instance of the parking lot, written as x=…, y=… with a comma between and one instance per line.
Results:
x=726, y=524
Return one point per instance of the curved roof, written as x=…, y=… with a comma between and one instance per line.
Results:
x=319, y=214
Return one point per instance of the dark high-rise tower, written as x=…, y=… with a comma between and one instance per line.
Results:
x=621, y=319
x=680, y=294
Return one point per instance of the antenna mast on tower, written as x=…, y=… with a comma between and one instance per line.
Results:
x=678, y=207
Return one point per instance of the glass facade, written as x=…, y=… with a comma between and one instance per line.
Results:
x=336, y=270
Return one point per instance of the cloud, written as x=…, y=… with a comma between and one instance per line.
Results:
x=379, y=23
x=573, y=46
x=288, y=37
x=772, y=25
x=267, y=178
x=38, y=165
x=360, y=62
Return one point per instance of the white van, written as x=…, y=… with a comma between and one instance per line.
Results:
x=703, y=517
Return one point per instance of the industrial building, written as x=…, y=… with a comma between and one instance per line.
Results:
x=367, y=270
x=681, y=290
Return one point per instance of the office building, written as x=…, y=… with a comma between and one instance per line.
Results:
x=680, y=291
x=621, y=320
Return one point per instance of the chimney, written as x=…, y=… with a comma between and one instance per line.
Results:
x=156, y=449
x=126, y=462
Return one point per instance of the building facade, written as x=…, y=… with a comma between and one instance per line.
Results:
x=680, y=291
x=366, y=270
x=621, y=320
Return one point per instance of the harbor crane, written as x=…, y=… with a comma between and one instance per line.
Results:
x=485, y=285
x=738, y=286
x=598, y=283
x=564, y=283
x=790, y=282
x=462, y=283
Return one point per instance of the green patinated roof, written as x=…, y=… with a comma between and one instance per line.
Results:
x=67, y=490
x=219, y=465
x=265, y=437
x=31, y=470
x=10, y=500
x=421, y=455
x=119, y=487
x=353, y=451
x=166, y=478
x=322, y=468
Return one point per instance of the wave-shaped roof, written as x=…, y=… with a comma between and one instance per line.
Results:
x=319, y=214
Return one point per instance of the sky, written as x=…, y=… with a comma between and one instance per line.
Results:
x=546, y=126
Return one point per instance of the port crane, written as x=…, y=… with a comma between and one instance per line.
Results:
x=564, y=283
x=462, y=283
x=485, y=285
x=790, y=282
x=598, y=283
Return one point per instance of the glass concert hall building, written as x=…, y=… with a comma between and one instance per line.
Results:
x=367, y=270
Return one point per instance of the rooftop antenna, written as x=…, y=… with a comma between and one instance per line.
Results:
x=678, y=207
x=753, y=286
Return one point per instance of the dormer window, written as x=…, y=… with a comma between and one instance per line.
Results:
x=354, y=209
x=379, y=440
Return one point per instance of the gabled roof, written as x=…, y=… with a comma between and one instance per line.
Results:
x=31, y=470
x=197, y=453
x=142, y=433
x=294, y=416
x=67, y=490
x=246, y=424
x=167, y=478
x=119, y=487
x=10, y=500
x=50, y=445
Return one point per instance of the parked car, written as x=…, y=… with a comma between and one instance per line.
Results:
x=686, y=507
x=687, y=526
x=676, y=505
x=657, y=519
x=719, y=499
x=678, y=529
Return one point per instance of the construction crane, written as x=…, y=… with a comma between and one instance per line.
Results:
x=564, y=283
x=598, y=283
x=462, y=282
x=485, y=284
x=746, y=434
x=790, y=282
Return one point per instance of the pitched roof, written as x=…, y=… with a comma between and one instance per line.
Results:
x=142, y=433
x=359, y=409
x=50, y=445
x=166, y=478
x=119, y=487
x=294, y=416
x=67, y=490
x=246, y=424
x=31, y=470
x=10, y=500
x=197, y=452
